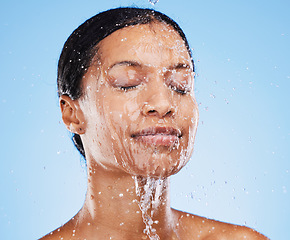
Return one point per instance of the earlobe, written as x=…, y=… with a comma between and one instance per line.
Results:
x=72, y=115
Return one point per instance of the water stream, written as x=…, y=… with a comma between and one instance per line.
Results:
x=149, y=190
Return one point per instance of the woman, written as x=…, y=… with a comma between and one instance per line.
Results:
x=125, y=80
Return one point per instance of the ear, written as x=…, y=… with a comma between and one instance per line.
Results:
x=72, y=115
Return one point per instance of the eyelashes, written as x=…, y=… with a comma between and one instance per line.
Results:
x=178, y=81
x=181, y=91
x=178, y=90
x=125, y=89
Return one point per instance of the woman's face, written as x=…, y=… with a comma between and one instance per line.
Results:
x=140, y=112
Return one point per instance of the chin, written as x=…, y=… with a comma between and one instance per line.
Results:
x=152, y=160
x=158, y=168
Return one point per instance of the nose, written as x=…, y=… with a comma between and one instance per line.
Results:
x=159, y=103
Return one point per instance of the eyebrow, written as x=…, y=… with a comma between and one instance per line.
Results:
x=179, y=66
x=137, y=64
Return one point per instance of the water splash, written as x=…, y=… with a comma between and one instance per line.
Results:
x=153, y=2
x=149, y=190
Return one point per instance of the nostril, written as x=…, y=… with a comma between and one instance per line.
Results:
x=169, y=113
x=161, y=110
x=151, y=111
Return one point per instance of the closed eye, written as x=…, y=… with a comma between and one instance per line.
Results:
x=128, y=88
x=179, y=80
x=178, y=90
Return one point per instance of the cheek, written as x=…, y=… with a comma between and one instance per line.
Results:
x=121, y=117
x=189, y=110
x=122, y=112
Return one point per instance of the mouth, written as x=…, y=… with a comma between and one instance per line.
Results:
x=158, y=136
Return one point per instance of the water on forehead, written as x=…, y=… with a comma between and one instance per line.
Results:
x=141, y=42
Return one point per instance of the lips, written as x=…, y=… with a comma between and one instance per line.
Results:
x=162, y=136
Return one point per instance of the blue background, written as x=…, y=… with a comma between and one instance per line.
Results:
x=239, y=171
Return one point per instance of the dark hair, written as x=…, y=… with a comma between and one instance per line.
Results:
x=81, y=46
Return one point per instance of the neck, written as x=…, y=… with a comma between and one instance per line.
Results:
x=131, y=205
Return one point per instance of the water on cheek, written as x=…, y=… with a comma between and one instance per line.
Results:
x=122, y=117
x=97, y=133
x=186, y=151
x=107, y=129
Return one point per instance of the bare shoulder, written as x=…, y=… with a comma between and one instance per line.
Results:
x=196, y=227
x=57, y=235
x=62, y=233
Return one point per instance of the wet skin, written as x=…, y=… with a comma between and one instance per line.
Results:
x=137, y=119
x=142, y=110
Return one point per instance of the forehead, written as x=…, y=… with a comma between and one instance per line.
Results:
x=154, y=44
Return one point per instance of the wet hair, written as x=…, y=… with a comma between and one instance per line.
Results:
x=81, y=47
